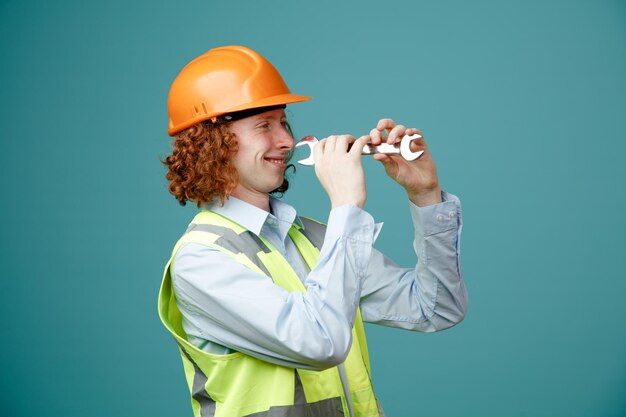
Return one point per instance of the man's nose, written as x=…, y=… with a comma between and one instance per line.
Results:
x=285, y=140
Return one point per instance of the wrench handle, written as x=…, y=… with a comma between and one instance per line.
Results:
x=385, y=148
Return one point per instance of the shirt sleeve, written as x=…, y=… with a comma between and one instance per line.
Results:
x=432, y=295
x=223, y=301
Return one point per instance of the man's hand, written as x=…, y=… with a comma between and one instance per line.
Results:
x=419, y=177
x=340, y=170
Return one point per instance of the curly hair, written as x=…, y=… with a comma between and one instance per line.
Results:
x=200, y=167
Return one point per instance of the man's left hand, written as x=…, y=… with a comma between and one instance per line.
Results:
x=419, y=178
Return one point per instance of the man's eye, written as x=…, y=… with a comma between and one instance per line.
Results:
x=263, y=125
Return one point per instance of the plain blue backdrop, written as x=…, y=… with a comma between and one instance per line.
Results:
x=523, y=104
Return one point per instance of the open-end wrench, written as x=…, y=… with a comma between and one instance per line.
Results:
x=403, y=148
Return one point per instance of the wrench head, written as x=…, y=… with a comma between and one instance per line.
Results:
x=405, y=147
x=309, y=141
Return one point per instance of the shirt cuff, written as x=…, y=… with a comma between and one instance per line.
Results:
x=437, y=218
x=352, y=222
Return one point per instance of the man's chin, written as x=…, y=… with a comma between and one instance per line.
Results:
x=280, y=188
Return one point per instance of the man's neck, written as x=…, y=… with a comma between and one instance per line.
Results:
x=260, y=200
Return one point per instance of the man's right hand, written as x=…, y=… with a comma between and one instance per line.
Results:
x=340, y=171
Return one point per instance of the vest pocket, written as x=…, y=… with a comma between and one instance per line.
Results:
x=364, y=403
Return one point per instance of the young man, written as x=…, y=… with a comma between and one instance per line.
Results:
x=267, y=308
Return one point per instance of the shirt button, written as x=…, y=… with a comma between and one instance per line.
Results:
x=440, y=217
x=452, y=214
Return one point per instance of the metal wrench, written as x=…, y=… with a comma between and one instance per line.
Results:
x=403, y=148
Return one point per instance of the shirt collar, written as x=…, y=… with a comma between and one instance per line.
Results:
x=252, y=217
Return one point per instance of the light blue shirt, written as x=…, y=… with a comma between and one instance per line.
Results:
x=227, y=306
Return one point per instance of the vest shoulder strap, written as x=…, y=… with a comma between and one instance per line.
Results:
x=211, y=229
x=314, y=231
x=217, y=231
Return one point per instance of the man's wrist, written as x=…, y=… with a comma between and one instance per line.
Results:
x=338, y=202
x=428, y=198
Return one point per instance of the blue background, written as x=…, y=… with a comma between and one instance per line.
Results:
x=523, y=104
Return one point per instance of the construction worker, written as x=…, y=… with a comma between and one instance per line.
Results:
x=267, y=307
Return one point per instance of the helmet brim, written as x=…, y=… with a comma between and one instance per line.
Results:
x=265, y=102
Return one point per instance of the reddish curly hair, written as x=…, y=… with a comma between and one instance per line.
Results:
x=200, y=167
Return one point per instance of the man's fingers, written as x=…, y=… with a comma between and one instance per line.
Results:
x=376, y=136
x=396, y=134
x=359, y=144
x=337, y=145
x=343, y=141
x=331, y=143
x=418, y=144
x=413, y=131
x=318, y=150
x=378, y=133
x=385, y=124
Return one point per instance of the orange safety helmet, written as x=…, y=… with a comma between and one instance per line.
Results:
x=225, y=80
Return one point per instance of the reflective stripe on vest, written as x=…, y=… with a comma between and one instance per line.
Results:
x=246, y=242
x=198, y=390
x=313, y=231
x=236, y=384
